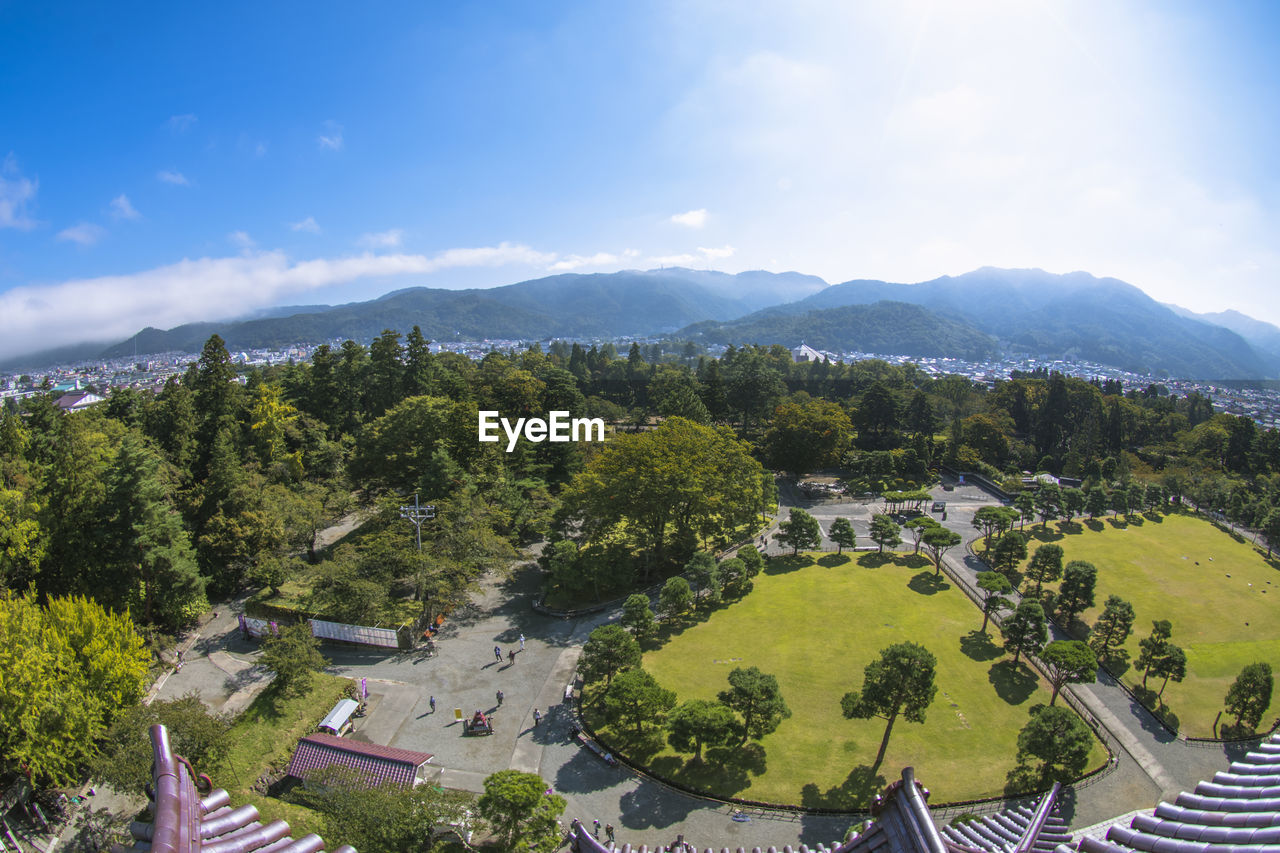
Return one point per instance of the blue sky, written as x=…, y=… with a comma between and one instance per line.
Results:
x=161, y=163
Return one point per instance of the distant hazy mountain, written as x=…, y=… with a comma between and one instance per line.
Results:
x=892, y=328
x=603, y=305
x=1073, y=316
x=1263, y=337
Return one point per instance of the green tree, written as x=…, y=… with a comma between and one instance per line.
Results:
x=638, y=617
x=842, y=534
x=919, y=526
x=1271, y=531
x=1009, y=551
x=698, y=723
x=386, y=818
x=876, y=418
x=899, y=683
x=1048, y=500
x=1153, y=647
x=995, y=587
x=1059, y=739
x=752, y=559
x=1250, y=695
x=635, y=698
x=989, y=520
x=885, y=532
x=702, y=568
x=1095, y=502
x=608, y=650
x=1075, y=595
x=1112, y=627
x=293, y=657
x=1045, y=565
x=666, y=486
x=69, y=669
x=21, y=542
x=1119, y=501
x=937, y=541
x=806, y=435
x=1025, y=503
x=675, y=598
x=1172, y=665
x=800, y=531
x=1068, y=662
x=195, y=733
x=1073, y=502
x=144, y=544
x=1025, y=629
x=522, y=814
x=756, y=696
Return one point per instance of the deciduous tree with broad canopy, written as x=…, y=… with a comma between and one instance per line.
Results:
x=898, y=683
x=670, y=485
x=294, y=656
x=806, y=435
x=520, y=810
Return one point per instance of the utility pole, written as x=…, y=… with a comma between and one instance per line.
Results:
x=418, y=514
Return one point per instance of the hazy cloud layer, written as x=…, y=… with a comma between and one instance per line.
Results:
x=16, y=192
x=173, y=176
x=84, y=234
x=122, y=208
x=113, y=307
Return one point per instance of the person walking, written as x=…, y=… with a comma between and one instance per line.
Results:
x=522, y=642
x=537, y=718
x=499, y=697
x=596, y=829
x=497, y=653
x=511, y=656
x=608, y=832
x=433, y=704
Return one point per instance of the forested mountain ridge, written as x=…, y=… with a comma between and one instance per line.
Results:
x=891, y=328
x=1076, y=315
x=602, y=305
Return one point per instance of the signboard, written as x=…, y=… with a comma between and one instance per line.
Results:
x=383, y=637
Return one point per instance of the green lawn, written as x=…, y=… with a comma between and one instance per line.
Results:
x=264, y=737
x=815, y=625
x=1221, y=594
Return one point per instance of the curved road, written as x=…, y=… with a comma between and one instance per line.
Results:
x=465, y=676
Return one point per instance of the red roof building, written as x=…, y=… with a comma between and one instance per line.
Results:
x=378, y=764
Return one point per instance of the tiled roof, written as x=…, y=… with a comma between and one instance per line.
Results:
x=185, y=823
x=377, y=763
x=1238, y=812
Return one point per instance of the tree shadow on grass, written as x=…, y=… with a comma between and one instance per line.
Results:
x=928, y=583
x=855, y=792
x=914, y=561
x=978, y=646
x=1153, y=516
x=788, y=563
x=1094, y=525
x=1013, y=684
x=874, y=560
x=1070, y=528
x=1046, y=534
x=722, y=771
x=832, y=561
x=1117, y=522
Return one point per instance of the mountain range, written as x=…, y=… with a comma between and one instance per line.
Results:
x=977, y=315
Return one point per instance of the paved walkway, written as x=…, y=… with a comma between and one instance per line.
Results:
x=465, y=676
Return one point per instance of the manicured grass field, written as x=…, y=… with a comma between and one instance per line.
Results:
x=815, y=625
x=1221, y=595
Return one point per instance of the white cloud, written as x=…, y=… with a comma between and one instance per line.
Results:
x=382, y=239
x=331, y=136
x=38, y=317
x=173, y=176
x=241, y=239
x=16, y=191
x=717, y=254
x=84, y=234
x=573, y=262
x=691, y=219
x=122, y=208
x=181, y=123
x=309, y=225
